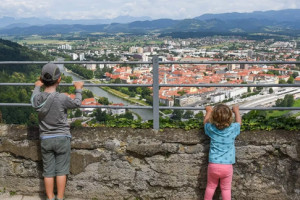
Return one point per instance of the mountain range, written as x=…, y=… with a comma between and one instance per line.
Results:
x=10, y=22
x=282, y=21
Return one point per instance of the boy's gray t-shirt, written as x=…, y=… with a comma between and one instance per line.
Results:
x=52, y=108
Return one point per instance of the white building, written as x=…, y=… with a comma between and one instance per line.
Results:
x=75, y=56
x=188, y=100
x=81, y=56
x=235, y=92
x=117, y=111
x=91, y=67
x=216, y=98
x=65, y=46
x=145, y=58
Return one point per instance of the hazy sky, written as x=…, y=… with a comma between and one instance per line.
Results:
x=100, y=9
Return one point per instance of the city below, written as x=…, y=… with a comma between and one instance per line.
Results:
x=197, y=50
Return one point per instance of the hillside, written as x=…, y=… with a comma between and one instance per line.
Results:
x=10, y=51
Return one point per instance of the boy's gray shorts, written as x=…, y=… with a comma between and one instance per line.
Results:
x=56, y=156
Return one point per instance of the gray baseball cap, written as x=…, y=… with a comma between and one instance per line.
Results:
x=50, y=72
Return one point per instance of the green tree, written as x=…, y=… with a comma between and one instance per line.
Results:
x=127, y=115
x=117, y=80
x=188, y=114
x=67, y=79
x=87, y=94
x=177, y=115
x=76, y=124
x=145, y=92
x=281, y=81
x=290, y=100
x=101, y=116
x=199, y=115
x=271, y=90
x=290, y=80
x=278, y=102
x=103, y=101
x=181, y=93
x=33, y=120
x=295, y=74
x=139, y=90
x=78, y=113
x=287, y=101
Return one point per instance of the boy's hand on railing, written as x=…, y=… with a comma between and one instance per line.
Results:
x=78, y=84
x=39, y=83
x=235, y=108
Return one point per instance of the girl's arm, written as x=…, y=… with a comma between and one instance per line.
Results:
x=236, y=112
x=209, y=110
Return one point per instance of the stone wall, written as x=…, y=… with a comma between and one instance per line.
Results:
x=110, y=163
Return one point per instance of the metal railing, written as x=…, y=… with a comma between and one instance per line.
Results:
x=155, y=62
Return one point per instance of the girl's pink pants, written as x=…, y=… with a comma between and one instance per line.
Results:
x=216, y=172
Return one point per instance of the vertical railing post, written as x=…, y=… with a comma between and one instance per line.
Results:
x=155, y=93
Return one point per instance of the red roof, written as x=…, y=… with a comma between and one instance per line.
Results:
x=89, y=101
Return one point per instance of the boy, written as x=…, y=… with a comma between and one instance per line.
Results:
x=54, y=129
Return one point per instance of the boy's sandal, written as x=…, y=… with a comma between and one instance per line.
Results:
x=51, y=199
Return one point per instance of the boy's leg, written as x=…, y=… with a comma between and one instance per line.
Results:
x=225, y=181
x=61, y=185
x=48, y=166
x=63, y=151
x=212, y=181
x=49, y=185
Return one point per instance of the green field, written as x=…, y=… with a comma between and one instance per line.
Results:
x=277, y=113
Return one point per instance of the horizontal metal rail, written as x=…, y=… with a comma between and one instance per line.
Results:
x=161, y=85
x=87, y=106
x=240, y=108
x=229, y=85
x=85, y=85
x=151, y=107
x=143, y=62
x=155, y=63
x=71, y=62
x=230, y=62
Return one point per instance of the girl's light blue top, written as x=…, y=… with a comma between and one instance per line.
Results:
x=222, y=149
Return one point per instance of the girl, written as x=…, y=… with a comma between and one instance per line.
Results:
x=222, y=132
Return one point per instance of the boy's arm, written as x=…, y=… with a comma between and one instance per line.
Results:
x=75, y=103
x=208, y=114
x=37, y=89
x=236, y=112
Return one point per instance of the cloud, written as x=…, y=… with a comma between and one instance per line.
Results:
x=176, y=9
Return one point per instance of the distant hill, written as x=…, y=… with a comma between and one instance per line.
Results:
x=290, y=15
x=283, y=21
x=10, y=22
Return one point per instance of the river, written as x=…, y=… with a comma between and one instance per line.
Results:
x=146, y=114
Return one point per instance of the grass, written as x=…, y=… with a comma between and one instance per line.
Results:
x=124, y=96
x=277, y=113
x=36, y=39
x=42, y=41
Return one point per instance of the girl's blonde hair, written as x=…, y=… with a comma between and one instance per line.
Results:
x=221, y=116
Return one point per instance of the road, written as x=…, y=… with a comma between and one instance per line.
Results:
x=267, y=100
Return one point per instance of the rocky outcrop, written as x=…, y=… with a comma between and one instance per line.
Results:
x=114, y=163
